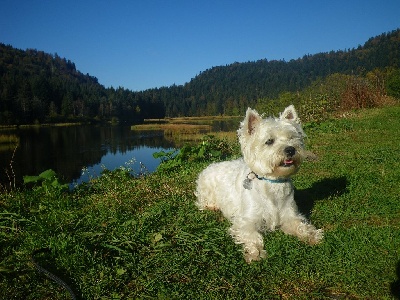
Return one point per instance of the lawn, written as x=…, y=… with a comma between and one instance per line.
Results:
x=120, y=237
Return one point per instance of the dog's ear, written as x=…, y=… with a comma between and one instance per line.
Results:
x=251, y=121
x=290, y=114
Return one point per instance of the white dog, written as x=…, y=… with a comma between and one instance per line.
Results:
x=255, y=192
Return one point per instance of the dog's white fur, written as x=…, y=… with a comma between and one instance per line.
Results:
x=255, y=192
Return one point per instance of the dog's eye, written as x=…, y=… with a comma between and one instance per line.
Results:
x=269, y=142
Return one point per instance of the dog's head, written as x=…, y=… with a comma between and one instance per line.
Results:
x=272, y=147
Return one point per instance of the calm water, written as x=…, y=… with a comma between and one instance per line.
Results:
x=68, y=150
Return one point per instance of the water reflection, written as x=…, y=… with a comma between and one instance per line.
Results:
x=67, y=150
x=139, y=160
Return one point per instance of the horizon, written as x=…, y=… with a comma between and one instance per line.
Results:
x=140, y=46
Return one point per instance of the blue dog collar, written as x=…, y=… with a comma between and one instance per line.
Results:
x=279, y=180
x=247, y=183
x=273, y=180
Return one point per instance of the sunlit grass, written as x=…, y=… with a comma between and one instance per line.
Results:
x=124, y=237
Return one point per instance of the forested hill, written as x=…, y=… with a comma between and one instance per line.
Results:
x=37, y=87
x=230, y=89
x=40, y=87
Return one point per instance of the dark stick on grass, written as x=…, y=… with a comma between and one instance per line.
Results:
x=49, y=274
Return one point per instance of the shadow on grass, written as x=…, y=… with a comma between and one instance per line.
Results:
x=323, y=189
x=395, y=286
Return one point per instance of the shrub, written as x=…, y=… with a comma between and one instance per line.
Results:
x=209, y=149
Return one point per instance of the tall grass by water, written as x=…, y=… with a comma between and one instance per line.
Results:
x=189, y=129
x=124, y=237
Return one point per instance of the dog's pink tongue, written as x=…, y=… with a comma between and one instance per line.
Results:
x=288, y=161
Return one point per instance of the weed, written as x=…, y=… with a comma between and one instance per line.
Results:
x=10, y=174
x=210, y=149
x=49, y=183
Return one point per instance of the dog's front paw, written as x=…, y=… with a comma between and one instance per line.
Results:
x=315, y=236
x=254, y=254
x=309, y=234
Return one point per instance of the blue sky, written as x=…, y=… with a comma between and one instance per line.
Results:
x=141, y=44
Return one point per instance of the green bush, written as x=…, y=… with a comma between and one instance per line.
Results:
x=209, y=149
x=48, y=181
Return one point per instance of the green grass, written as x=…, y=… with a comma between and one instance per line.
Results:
x=125, y=238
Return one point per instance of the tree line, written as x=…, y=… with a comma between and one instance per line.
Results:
x=37, y=87
x=231, y=89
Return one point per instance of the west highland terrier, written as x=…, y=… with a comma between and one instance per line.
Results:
x=255, y=192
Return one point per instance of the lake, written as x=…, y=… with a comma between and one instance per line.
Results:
x=69, y=150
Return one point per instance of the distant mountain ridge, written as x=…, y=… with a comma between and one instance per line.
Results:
x=40, y=87
x=241, y=84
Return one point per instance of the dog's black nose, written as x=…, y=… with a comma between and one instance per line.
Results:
x=290, y=151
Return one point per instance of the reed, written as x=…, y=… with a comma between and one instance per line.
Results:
x=8, y=139
x=174, y=128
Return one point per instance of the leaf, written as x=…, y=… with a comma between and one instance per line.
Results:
x=157, y=237
x=129, y=222
x=5, y=270
x=216, y=153
x=121, y=271
x=201, y=152
x=48, y=174
x=159, y=154
x=29, y=179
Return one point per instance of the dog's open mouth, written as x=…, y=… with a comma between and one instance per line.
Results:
x=287, y=163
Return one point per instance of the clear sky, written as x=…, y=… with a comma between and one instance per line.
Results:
x=141, y=44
